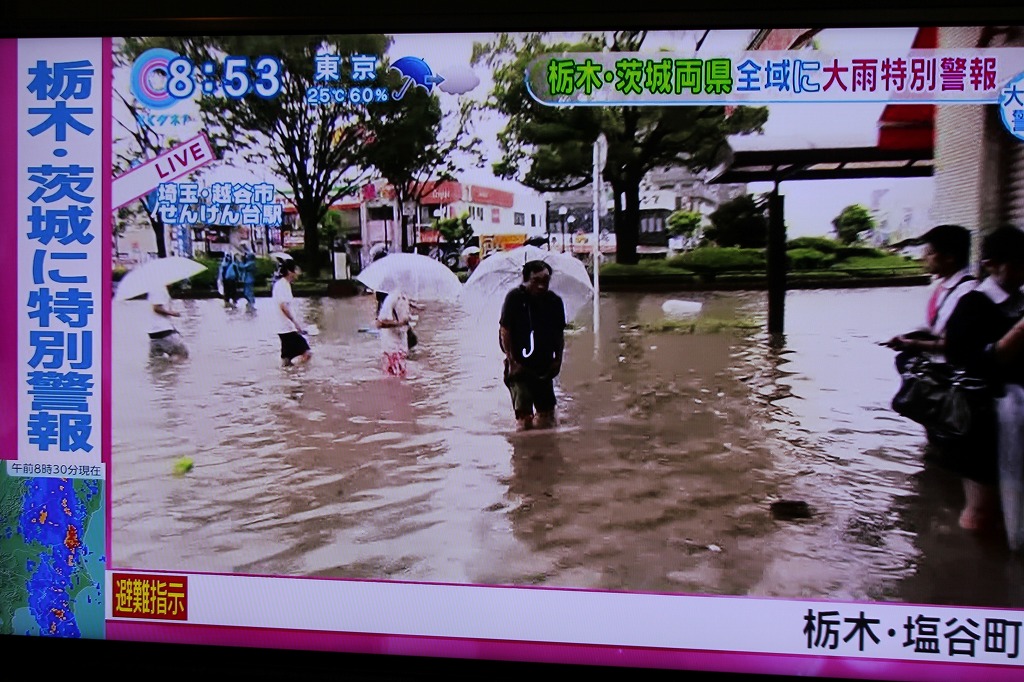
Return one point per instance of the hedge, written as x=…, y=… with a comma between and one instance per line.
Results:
x=822, y=244
x=809, y=259
x=713, y=259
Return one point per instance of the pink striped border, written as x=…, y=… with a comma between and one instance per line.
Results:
x=106, y=305
x=9, y=225
x=540, y=652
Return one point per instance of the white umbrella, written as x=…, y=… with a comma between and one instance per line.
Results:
x=418, y=277
x=281, y=256
x=159, y=272
x=469, y=250
x=501, y=272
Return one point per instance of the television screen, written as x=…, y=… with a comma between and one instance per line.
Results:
x=666, y=347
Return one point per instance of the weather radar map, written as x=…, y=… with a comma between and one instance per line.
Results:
x=51, y=556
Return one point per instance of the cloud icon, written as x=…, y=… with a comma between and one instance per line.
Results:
x=458, y=80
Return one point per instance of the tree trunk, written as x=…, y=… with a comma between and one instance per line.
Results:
x=402, y=222
x=311, y=240
x=158, y=232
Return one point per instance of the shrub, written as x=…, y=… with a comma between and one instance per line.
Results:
x=644, y=268
x=823, y=244
x=819, y=275
x=714, y=259
x=845, y=252
x=265, y=268
x=878, y=265
x=205, y=280
x=808, y=259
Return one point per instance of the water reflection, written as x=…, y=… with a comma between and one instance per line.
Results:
x=671, y=449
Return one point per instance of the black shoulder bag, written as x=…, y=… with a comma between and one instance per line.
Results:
x=958, y=410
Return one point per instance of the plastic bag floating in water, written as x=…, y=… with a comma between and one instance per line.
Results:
x=677, y=308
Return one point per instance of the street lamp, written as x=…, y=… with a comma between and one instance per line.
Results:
x=568, y=221
x=562, y=210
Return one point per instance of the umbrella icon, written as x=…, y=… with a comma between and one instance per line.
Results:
x=417, y=71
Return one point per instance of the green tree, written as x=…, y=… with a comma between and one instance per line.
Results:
x=741, y=222
x=316, y=148
x=414, y=146
x=550, y=148
x=455, y=230
x=684, y=223
x=851, y=221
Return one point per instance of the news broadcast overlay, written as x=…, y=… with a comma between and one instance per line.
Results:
x=218, y=431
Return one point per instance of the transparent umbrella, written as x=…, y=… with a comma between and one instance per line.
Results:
x=500, y=272
x=419, y=277
x=156, y=273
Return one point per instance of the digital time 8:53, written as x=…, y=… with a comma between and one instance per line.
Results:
x=236, y=80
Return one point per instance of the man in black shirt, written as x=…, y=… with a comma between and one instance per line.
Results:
x=532, y=335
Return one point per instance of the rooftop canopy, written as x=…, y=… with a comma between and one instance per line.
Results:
x=840, y=163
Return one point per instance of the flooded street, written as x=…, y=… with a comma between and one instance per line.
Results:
x=671, y=448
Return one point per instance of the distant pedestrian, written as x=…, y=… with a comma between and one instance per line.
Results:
x=393, y=320
x=164, y=338
x=532, y=336
x=247, y=274
x=227, y=274
x=294, y=347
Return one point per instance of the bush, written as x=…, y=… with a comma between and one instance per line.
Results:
x=644, y=268
x=822, y=244
x=878, y=265
x=817, y=276
x=203, y=281
x=265, y=269
x=118, y=273
x=714, y=259
x=299, y=256
x=844, y=252
x=808, y=259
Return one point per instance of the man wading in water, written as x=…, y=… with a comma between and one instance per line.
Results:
x=532, y=335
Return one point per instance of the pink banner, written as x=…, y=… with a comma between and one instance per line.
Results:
x=9, y=245
x=539, y=652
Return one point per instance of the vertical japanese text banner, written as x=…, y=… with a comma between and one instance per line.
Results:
x=61, y=198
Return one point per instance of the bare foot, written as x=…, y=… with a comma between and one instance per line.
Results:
x=545, y=420
x=972, y=520
x=981, y=509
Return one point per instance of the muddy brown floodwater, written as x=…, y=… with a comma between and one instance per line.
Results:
x=671, y=449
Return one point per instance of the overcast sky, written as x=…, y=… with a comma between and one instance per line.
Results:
x=810, y=205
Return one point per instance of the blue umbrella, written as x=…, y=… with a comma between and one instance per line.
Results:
x=416, y=71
